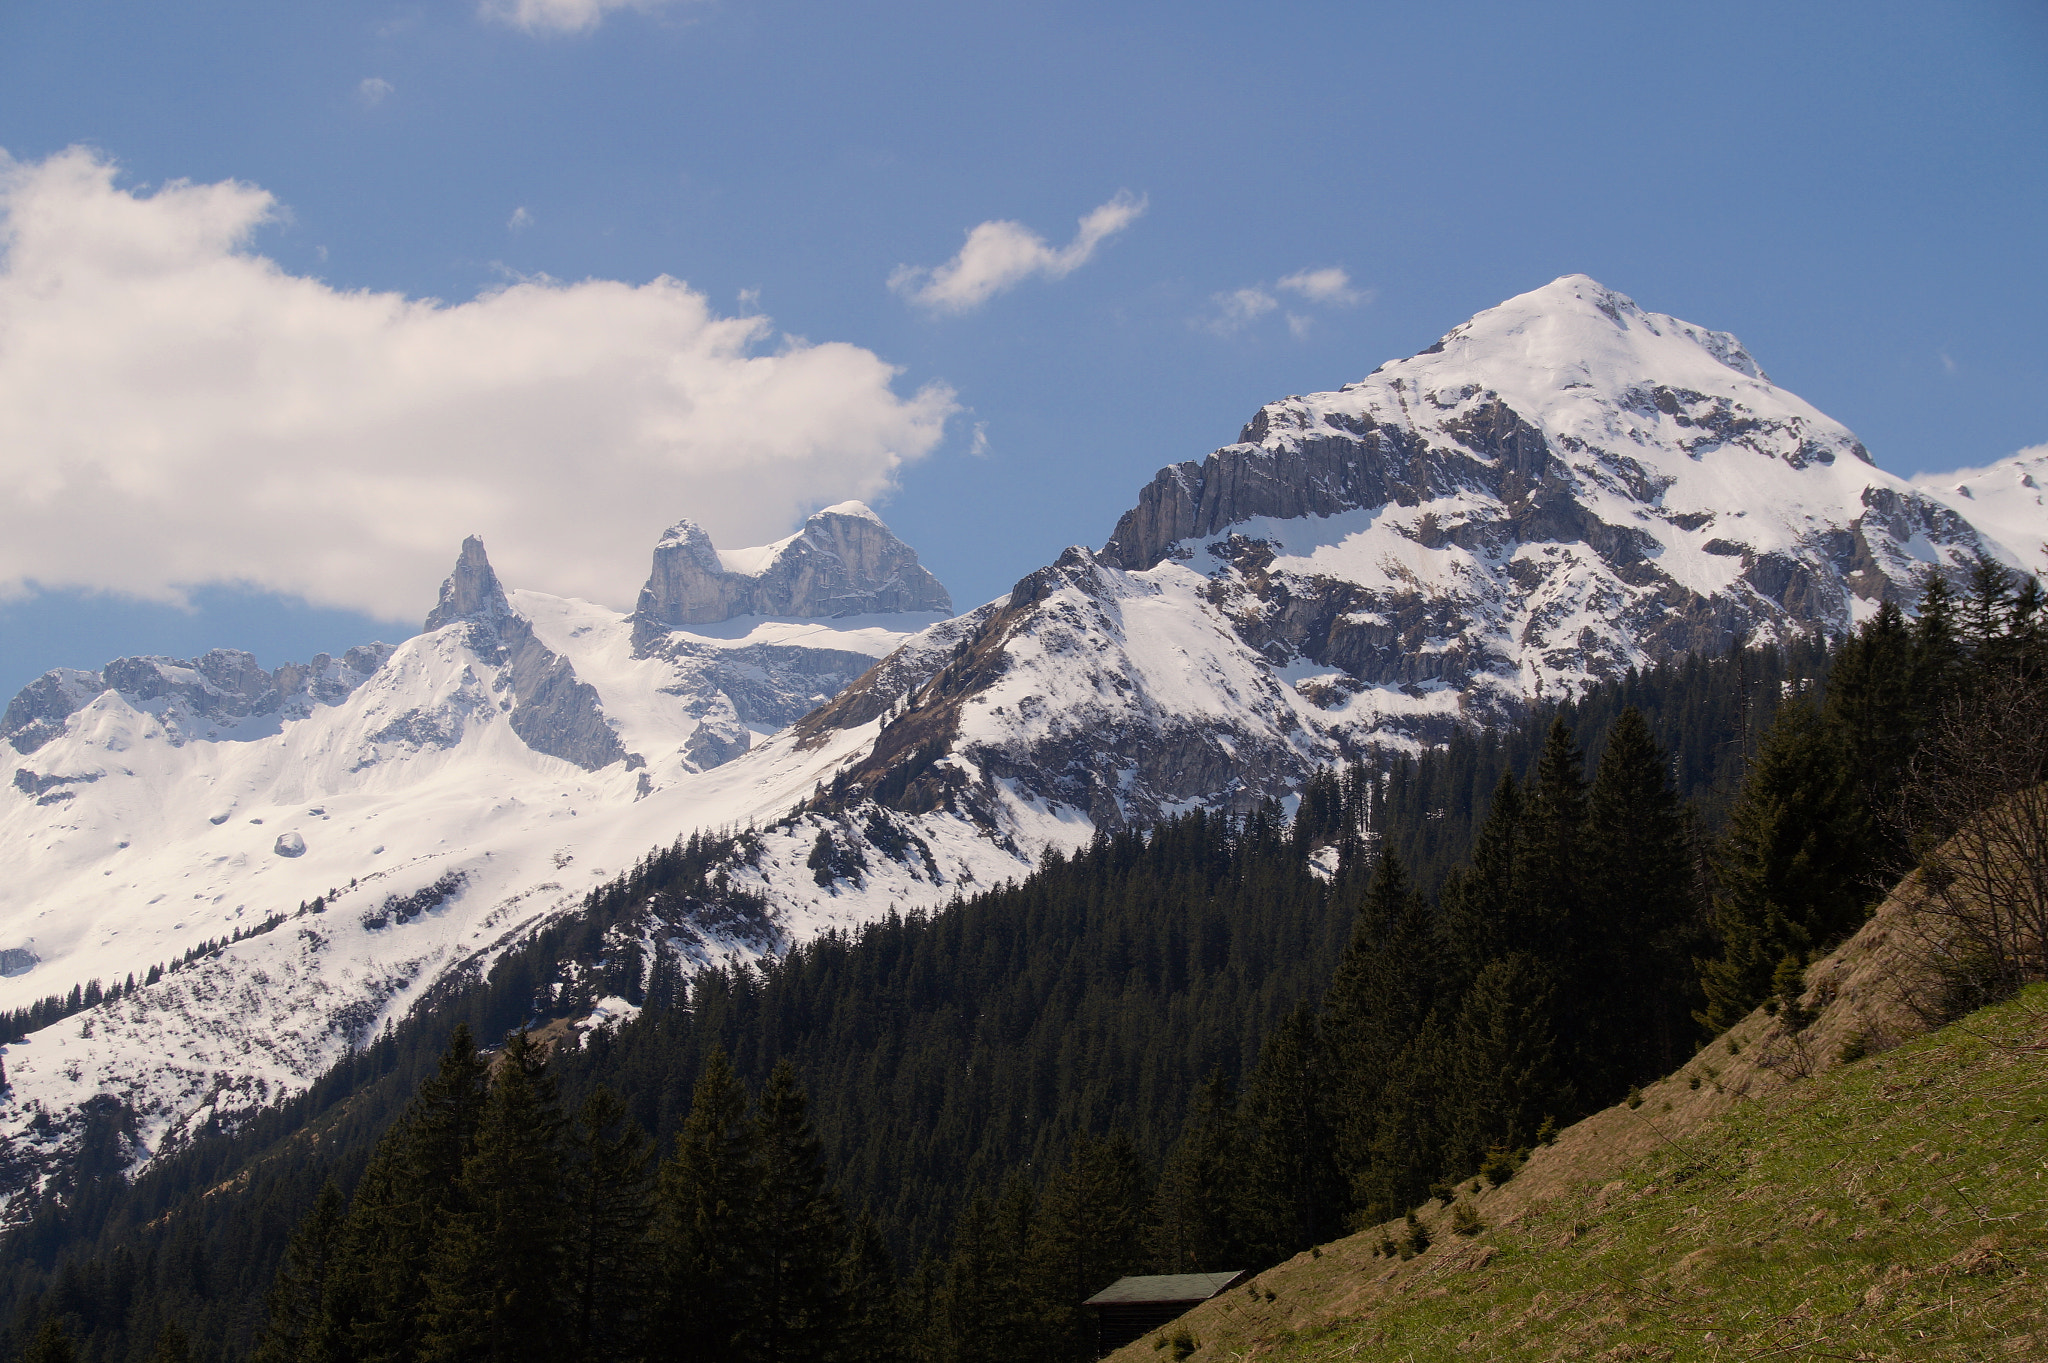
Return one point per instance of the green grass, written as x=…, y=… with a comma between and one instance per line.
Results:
x=1896, y=1208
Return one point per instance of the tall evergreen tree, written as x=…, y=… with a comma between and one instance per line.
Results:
x=51, y=1344
x=496, y=1275
x=877, y=1328
x=1478, y=900
x=1504, y=1077
x=800, y=1233
x=1088, y=1232
x=1790, y=871
x=1192, y=1208
x=707, y=1201
x=373, y=1306
x=294, y=1303
x=1641, y=924
x=1291, y=1189
x=1388, y=980
x=610, y=1212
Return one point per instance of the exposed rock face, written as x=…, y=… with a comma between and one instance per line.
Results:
x=553, y=711
x=213, y=695
x=844, y=561
x=1561, y=488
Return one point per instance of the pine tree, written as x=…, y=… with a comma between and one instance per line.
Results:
x=373, y=1303
x=800, y=1232
x=171, y=1345
x=293, y=1305
x=494, y=1289
x=1291, y=1189
x=1544, y=911
x=1790, y=870
x=707, y=1208
x=1504, y=1076
x=1479, y=900
x=1937, y=651
x=51, y=1345
x=1088, y=1232
x=610, y=1212
x=1409, y=1136
x=1640, y=922
x=875, y=1320
x=1386, y=983
x=1192, y=1228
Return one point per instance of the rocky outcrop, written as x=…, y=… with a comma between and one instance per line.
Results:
x=208, y=696
x=553, y=711
x=844, y=561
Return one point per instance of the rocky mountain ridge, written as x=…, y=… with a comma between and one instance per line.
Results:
x=1561, y=488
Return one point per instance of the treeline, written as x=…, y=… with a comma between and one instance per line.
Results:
x=54, y=1008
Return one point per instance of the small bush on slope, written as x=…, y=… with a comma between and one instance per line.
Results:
x=1894, y=1208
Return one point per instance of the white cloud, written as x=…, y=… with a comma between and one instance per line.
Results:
x=374, y=90
x=559, y=16
x=978, y=447
x=1329, y=285
x=1239, y=308
x=176, y=410
x=999, y=255
x=519, y=221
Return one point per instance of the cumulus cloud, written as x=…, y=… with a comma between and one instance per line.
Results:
x=374, y=90
x=559, y=16
x=999, y=255
x=1328, y=285
x=519, y=221
x=177, y=410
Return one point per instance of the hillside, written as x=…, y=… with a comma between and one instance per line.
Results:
x=1778, y=1196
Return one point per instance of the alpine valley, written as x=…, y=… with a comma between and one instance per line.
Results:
x=1561, y=489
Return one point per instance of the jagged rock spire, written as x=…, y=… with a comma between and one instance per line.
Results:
x=472, y=591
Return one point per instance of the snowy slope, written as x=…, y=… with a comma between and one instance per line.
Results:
x=1563, y=487
x=442, y=802
x=2008, y=500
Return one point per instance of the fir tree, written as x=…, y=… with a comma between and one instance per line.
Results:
x=610, y=1211
x=51, y=1344
x=1504, y=1076
x=1478, y=900
x=293, y=1305
x=1088, y=1232
x=1641, y=924
x=1291, y=1190
x=373, y=1303
x=706, y=1208
x=496, y=1273
x=875, y=1329
x=171, y=1345
x=1192, y=1228
x=1386, y=983
x=800, y=1232
x=1790, y=870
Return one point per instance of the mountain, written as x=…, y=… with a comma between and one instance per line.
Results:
x=371, y=824
x=1562, y=488
x=1565, y=487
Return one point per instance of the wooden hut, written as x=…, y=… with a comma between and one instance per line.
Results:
x=1130, y=1307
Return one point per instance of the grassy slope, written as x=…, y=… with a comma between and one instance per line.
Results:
x=1766, y=1201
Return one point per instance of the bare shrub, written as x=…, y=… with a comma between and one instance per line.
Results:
x=1975, y=812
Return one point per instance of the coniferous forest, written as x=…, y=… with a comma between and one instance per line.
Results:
x=1206, y=1045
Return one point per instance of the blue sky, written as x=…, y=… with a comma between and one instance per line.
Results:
x=1859, y=191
